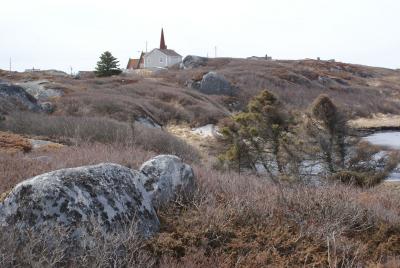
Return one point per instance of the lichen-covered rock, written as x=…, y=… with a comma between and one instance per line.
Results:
x=167, y=178
x=191, y=61
x=107, y=195
x=214, y=83
x=40, y=90
x=14, y=97
x=47, y=107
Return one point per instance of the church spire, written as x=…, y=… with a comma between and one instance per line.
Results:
x=162, y=41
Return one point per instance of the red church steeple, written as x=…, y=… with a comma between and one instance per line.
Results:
x=162, y=41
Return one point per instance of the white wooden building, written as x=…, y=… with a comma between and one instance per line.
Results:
x=161, y=57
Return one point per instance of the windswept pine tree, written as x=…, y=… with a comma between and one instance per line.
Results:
x=108, y=65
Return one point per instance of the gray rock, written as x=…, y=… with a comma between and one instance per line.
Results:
x=38, y=144
x=193, y=84
x=214, y=83
x=191, y=61
x=147, y=122
x=14, y=97
x=40, y=90
x=105, y=195
x=47, y=107
x=167, y=178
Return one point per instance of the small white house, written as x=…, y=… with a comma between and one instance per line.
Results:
x=161, y=57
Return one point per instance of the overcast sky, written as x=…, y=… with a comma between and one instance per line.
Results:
x=59, y=34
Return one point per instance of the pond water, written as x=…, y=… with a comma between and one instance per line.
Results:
x=390, y=140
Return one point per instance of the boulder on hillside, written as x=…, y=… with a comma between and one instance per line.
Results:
x=167, y=178
x=41, y=90
x=14, y=97
x=191, y=61
x=216, y=84
x=105, y=195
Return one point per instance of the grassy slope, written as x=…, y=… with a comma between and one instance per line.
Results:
x=360, y=90
x=235, y=220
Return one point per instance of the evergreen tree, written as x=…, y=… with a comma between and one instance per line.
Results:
x=326, y=127
x=107, y=65
x=257, y=136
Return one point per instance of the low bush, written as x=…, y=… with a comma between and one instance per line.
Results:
x=241, y=221
x=95, y=129
x=10, y=142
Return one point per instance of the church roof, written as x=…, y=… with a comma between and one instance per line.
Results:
x=162, y=40
x=170, y=52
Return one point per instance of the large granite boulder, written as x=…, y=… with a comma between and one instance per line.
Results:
x=105, y=195
x=41, y=90
x=214, y=84
x=191, y=61
x=167, y=178
x=14, y=97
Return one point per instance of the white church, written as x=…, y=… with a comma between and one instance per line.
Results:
x=157, y=58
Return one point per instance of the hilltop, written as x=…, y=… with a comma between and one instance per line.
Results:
x=165, y=97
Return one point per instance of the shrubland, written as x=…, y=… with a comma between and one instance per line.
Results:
x=237, y=220
x=344, y=216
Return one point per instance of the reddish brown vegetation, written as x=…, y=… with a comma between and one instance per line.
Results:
x=12, y=143
x=241, y=221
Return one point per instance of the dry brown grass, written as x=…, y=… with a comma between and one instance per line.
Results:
x=12, y=143
x=377, y=121
x=81, y=130
x=360, y=90
x=233, y=220
x=16, y=167
x=242, y=221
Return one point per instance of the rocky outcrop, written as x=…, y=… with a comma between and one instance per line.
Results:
x=14, y=97
x=41, y=90
x=207, y=131
x=105, y=195
x=147, y=122
x=191, y=61
x=167, y=178
x=213, y=83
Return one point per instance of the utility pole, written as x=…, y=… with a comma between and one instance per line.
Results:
x=146, y=46
x=10, y=64
x=71, y=70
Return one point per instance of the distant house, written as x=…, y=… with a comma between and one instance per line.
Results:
x=161, y=57
x=136, y=63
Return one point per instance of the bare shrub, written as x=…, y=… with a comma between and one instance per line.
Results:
x=232, y=220
x=59, y=247
x=243, y=221
x=95, y=129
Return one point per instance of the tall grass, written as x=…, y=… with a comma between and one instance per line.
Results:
x=236, y=221
x=81, y=130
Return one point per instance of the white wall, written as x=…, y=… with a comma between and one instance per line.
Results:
x=157, y=59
